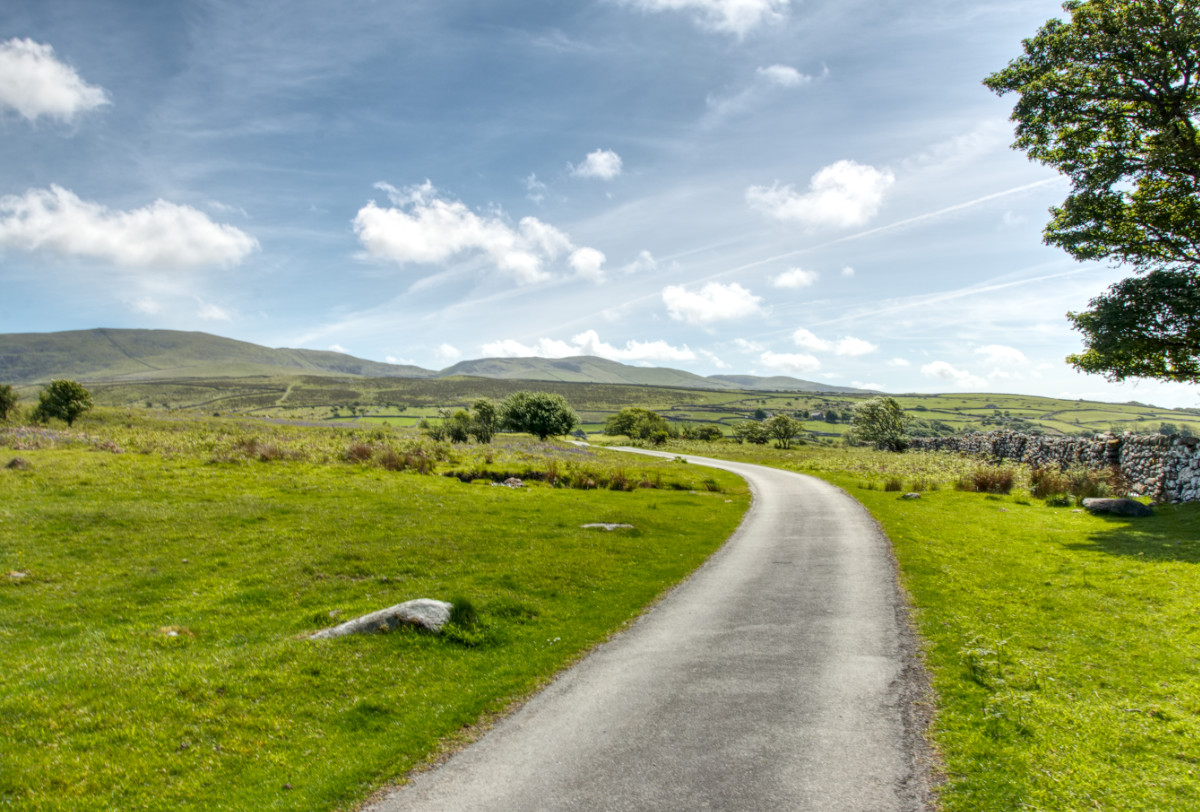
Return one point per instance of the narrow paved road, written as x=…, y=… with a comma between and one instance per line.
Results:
x=781, y=676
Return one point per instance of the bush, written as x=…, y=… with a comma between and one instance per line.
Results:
x=988, y=479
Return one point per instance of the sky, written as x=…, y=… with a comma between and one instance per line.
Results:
x=815, y=188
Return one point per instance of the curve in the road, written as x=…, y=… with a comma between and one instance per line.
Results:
x=782, y=675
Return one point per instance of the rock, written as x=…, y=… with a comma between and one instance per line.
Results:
x=425, y=613
x=606, y=526
x=511, y=482
x=19, y=464
x=1118, y=507
x=911, y=495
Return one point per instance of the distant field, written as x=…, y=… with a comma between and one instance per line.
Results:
x=403, y=402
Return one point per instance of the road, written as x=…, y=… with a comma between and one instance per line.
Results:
x=780, y=676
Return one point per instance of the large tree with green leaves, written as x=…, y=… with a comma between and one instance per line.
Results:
x=882, y=422
x=65, y=400
x=1111, y=98
x=543, y=414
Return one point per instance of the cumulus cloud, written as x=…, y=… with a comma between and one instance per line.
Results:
x=1002, y=355
x=588, y=263
x=848, y=346
x=713, y=302
x=795, y=278
x=448, y=353
x=535, y=190
x=603, y=164
x=853, y=347
x=422, y=228
x=144, y=305
x=34, y=83
x=161, y=235
x=589, y=343
x=748, y=346
x=714, y=360
x=847, y=271
x=898, y=362
x=737, y=17
x=807, y=340
x=645, y=261
x=792, y=363
x=959, y=377
x=784, y=76
x=860, y=385
x=211, y=312
x=841, y=195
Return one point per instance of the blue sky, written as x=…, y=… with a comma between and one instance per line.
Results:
x=821, y=189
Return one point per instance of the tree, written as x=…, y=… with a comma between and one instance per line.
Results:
x=484, y=420
x=1111, y=99
x=639, y=424
x=65, y=400
x=782, y=429
x=750, y=431
x=882, y=422
x=542, y=414
x=8, y=400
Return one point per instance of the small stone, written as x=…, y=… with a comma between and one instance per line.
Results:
x=1118, y=507
x=19, y=464
x=911, y=495
x=606, y=526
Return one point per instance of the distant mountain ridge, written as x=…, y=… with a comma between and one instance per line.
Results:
x=105, y=354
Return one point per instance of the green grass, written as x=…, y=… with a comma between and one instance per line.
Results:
x=1064, y=648
x=153, y=605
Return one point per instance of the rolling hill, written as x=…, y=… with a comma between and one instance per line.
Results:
x=148, y=355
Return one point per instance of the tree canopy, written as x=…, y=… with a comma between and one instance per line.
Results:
x=638, y=424
x=1111, y=99
x=8, y=400
x=543, y=414
x=882, y=422
x=65, y=400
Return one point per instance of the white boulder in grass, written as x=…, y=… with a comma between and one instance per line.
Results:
x=426, y=613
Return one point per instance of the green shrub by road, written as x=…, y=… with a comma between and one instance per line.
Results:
x=153, y=605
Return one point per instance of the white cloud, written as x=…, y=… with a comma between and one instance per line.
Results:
x=749, y=346
x=588, y=263
x=391, y=359
x=589, y=343
x=535, y=190
x=338, y=348
x=211, y=312
x=422, y=228
x=898, y=362
x=603, y=164
x=161, y=235
x=860, y=385
x=945, y=372
x=1002, y=355
x=714, y=302
x=145, y=305
x=806, y=340
x=714, y=360
x=784, y=76
x=853, y=347
x=847, y=271
x=645, y=261
x=841, y=195
x=35, y=83
x=448, y=353
x=737, y=17
x=795, y=278
x=792, y=363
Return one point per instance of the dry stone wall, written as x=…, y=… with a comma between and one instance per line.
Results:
x=1167, y=469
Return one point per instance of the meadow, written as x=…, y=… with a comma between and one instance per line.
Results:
x=158, y=577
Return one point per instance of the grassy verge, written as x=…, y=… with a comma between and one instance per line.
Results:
x=1064, y=647
x=152, y=605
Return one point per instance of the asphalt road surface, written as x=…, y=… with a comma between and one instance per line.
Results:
x=780, y=676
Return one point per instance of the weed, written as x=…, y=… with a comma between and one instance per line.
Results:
x=893, y=483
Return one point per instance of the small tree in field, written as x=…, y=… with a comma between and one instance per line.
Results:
x=541, y=414
x=882, y=422
x=782, y=429
x=8, y=400
x=65, y=400
x=484, y=420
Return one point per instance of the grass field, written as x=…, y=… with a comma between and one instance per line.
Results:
x=1064, y=647
x=157, y=578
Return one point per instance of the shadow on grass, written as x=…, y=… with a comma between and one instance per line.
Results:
x=1171, y=534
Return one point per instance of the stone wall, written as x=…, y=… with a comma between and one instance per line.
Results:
x=1167, y=469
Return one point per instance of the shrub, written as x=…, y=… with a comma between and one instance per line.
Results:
x=359, y=452
x=988, y=479
x=893, y=483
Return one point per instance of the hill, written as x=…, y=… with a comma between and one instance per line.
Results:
x=158, y=355
x=113, y=355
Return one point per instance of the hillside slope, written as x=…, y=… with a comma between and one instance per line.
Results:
x=110, y=354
